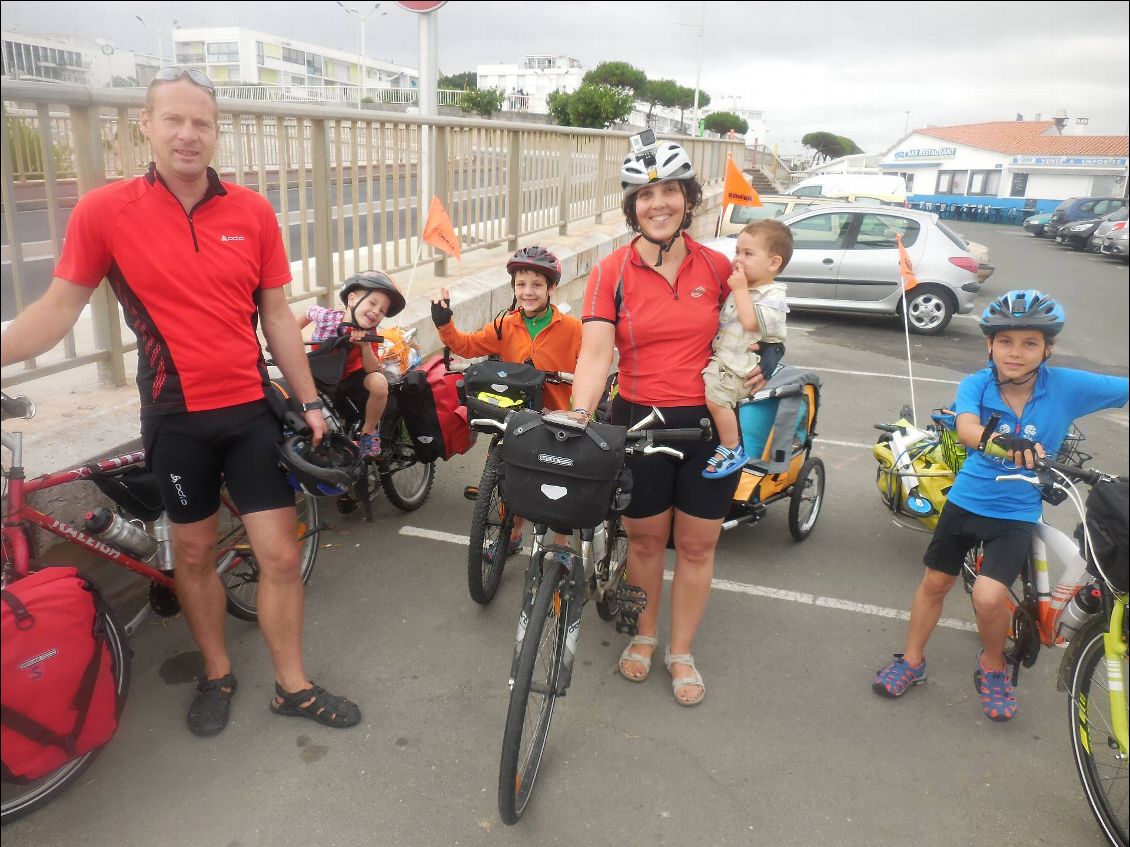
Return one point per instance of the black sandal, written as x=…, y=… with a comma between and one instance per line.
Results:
x=325, y=708
x=208, y=714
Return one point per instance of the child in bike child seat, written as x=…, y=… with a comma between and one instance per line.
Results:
x=1026, y=408
x=532, y=330
x=369, y=297
x=754, y=312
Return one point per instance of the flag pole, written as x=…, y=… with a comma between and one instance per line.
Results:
x=415, y=262
x=909, y=363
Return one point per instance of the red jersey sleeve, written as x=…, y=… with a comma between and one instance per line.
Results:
x=600, y=292
x=86, y=255
x=274, y=268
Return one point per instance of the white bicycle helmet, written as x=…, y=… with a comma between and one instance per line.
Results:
x=668, y=161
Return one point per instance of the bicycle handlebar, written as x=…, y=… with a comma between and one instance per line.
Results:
x=457, y=367
x=16, y=407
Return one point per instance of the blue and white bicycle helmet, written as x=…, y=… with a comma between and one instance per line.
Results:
x=1023, y=309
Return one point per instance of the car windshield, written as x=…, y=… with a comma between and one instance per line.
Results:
x=1119, y=215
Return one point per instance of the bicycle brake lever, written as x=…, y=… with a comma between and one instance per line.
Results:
x=660, y=448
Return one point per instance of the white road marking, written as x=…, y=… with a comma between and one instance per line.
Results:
x=853, y=444
x=872, y=373
x=742, y=588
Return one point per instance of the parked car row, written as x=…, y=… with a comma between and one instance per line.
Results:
x=1095, y=224
x=846, y=258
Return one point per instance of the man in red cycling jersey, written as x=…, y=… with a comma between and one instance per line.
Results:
x=196, y=263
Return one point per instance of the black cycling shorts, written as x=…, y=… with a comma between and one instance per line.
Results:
x=660, y=482
x=193, y=454
x=1006, y=543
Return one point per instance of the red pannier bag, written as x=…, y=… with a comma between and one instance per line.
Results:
x=59, y=698
x=436, y=420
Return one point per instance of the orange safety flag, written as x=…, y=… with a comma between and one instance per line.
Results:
x=736, y=190
x=909, y=280
x=439, y=232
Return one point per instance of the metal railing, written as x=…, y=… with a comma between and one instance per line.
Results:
x=766, y=161
x=345, y=184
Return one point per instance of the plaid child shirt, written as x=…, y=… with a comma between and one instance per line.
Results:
x=326, y=322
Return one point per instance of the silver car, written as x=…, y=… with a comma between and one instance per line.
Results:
x=1112, y=224
x=846, y=258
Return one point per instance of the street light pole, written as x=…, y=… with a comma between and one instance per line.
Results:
x=698, y=76
x=160, y=38
x=361, y=18
x=906, y=125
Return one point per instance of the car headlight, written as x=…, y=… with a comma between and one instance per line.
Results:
x=1080, y=227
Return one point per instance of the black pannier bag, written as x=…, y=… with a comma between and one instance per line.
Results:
x=1108, y=514
x=559, y=475
x=494, y=388
x=418, y=406
x=135, y=490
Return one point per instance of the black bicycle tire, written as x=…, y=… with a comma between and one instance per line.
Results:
x=406, y=503
x=1091, y=659
x=309, y=530
x=53, y=784
x=617, y=538
x=483, y=579
x=512, y=799
x=798, y=530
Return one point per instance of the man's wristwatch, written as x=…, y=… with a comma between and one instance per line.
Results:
x=312, y=406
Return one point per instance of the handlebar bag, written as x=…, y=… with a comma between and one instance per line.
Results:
x=495, y=388
x=60, y=699
x=559, y=476
x=436, y=420
x=1108, y=506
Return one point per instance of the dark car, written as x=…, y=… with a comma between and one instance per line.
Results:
x=1077, y=233
x=1080, y=209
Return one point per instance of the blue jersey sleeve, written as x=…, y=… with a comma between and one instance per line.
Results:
x=1086, y=392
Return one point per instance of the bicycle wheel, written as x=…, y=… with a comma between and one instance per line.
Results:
x=806, y=499
x=17, y=800
x=236, y=563
x=405, y=479
x=1102, y=768
x=616, y=566
x=533, y=693
x=491, y=524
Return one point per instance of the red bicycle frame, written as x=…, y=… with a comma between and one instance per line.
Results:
x=19, y=515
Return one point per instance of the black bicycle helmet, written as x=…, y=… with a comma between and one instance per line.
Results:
x=328, y=469
x=1023, y=309
x=375, y=281
x=534, y=258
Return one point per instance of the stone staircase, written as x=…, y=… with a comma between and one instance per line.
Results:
x=760, y=181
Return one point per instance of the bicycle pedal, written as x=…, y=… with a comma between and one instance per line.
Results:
x=632, y=600
x=163, y=601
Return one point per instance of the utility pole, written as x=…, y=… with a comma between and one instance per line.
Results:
x=361, y=18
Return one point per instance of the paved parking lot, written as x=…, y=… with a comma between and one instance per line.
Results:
x=790, y=747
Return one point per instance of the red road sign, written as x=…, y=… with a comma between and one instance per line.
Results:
x=422, y=6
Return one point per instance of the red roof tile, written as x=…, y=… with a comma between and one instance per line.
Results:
x=1026, y=138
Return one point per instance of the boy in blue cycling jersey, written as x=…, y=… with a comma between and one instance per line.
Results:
x=1025, y=407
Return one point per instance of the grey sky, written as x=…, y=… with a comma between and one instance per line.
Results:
x=855, y=69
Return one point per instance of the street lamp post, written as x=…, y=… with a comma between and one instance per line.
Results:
x=361, y=54
x=698, y=76
x=160, y=37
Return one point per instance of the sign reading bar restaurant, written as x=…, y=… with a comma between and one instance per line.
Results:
x=927, y=153
x=1072, y=161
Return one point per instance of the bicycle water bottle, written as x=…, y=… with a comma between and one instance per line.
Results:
x=599, y=542
x=118, y=532
x=161, y=534
x=1079, y=609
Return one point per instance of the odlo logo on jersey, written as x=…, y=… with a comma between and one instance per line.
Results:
x=180, y=490
x=232, y=238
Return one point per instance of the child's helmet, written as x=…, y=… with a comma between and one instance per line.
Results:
x=671, y=162
x=327, y=469
x=1023, y=309
x=534, y=258
x=375, y=281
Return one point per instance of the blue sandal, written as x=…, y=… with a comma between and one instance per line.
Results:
x=998, y=700
x=897, y=677
x=731, y=461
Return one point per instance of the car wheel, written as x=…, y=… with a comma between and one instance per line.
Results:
x=928, y=309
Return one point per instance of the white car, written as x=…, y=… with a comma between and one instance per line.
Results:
x=846, y=259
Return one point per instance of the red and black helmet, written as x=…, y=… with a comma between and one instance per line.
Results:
x=534, y=258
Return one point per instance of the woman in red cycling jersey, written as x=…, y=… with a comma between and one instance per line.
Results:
x=656, y=302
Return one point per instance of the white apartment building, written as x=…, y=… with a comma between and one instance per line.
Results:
x=57, y=58
x=239, y=56
x=535, y=76
x=756, y=134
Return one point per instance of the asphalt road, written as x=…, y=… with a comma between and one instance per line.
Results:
x=790, y=747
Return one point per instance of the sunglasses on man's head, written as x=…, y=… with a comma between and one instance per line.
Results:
x=195, y=77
